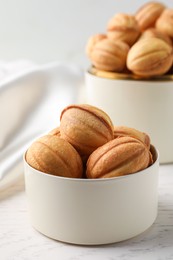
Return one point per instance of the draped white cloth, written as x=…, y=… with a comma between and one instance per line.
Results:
x=31, y=99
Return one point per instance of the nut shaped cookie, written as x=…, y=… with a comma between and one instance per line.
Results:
x=109, y=55
x=123, y=27
x=148, y=14
x=165, y=22
x=50, y=154
x=150, y=57
x=120, y=131
x=121, y=156
x=85, y=127
x=92, y=41
x=155, y=33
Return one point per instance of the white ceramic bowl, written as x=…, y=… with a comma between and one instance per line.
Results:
x=92, y=211
x=146, y=105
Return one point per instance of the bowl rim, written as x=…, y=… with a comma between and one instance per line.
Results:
x=98, y=180
x=127, y=76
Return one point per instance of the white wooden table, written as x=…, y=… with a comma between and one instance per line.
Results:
x=18, y=239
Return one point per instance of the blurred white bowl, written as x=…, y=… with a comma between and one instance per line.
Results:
x=92, y=211
x=146, y=105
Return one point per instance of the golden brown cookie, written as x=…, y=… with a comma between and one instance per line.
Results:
x=92, y=41
x=165, y=22
x=123, y=27
x=120, y=131
x=109, y=55
x=121, y=156
x=150, y=57
x=50, y=154
x=85, y=127
x=148, y=14
x=154, y=32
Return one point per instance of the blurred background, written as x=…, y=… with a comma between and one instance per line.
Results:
x=50, y=30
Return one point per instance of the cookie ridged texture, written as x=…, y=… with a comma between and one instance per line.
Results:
x=50, y=154
x=150, y=57
x=148, y=14
x=121, y=156
x=92, y=42
x=120, y=131
x=85, y=127
x=165, y=22
x=123, y=27
x=109, y=55
x=155, y=33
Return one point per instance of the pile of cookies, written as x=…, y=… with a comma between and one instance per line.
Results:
x=86, y=144
x=141, y=44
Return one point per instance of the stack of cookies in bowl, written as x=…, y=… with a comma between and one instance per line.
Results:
x=92, y=179
x=139, y=44
x=90, y=182
x=131, y=72
x=88, y=145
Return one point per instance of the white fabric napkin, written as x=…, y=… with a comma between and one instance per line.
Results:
x=31, y=100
